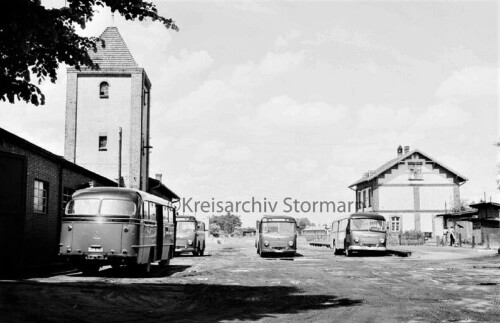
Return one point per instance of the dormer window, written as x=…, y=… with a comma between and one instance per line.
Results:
x=415, y=171
x=104, y=90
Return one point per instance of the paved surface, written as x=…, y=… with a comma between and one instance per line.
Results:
x=231, y=283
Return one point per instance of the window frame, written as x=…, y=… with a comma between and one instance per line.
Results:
x=395, y=221
x=44, y=197
x=105, y=146
x=104, y=90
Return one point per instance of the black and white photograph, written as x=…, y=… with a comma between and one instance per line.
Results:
x=249, y=161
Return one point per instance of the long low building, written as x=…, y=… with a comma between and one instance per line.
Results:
x=35, y=186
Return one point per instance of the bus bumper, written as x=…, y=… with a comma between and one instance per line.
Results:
x=368, y=248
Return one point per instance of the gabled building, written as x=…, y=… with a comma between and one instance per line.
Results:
x=409, y=191
x=100, y=103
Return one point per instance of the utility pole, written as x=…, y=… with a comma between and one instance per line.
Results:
x=120, y=157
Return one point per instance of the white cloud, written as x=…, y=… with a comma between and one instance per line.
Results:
x=285, y=112
x=284, y=40
x=443, y=115
x=346, y=37
x=237, y=154
x=305, y=166
x=202, y=100
x=271, y=65
x=187, y=64
x=470, y=82
x=380, y=117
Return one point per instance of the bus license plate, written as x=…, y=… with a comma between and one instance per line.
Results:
x=92, y=249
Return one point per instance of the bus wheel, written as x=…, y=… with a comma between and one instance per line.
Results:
x=334, y=248
x=90, y=269
x=164, y=263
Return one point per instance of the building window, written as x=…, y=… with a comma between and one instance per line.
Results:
x=358, y=200
x=415, y=171
x=395, y=223
x=364, y=199
x=103, y=143
x=104, y=90
x=40, y=196
x=67, y=193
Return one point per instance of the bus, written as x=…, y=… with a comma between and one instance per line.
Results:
x=276, y=234
x=190, y=236
x=117, y=226
x=359, y=232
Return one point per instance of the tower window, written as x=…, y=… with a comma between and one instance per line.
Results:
x=103, y=143
x=104, y=90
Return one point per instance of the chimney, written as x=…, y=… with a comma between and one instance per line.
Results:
x=158, y=177
x=407, y=149
x=400, y=150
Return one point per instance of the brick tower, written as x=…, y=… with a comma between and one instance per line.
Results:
x=101, y=102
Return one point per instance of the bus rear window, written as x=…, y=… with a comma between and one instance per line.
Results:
x=280, y=228
x=117, y=207
x=83, y=207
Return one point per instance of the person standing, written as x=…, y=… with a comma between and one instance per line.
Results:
x=452, y=236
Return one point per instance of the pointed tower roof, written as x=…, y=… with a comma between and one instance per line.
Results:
x=114, y=53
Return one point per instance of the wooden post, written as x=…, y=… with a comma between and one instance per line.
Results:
x=459, y=239
x=473, y=242
x=487, y=241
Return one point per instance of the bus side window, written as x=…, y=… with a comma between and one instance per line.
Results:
x=165, y=215
x=152, y=211
x=145, y=210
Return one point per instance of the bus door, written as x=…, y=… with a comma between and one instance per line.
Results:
x=342, y=233
x=168, y=232
x=147, y=233
x=160, y=232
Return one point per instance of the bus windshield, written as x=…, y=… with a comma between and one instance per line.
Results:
x=186, y=226
x=279, y=228
x=367, y=225
x=83, y=207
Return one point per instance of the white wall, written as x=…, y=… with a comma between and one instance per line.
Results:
x=96, y=115
x=395, y=198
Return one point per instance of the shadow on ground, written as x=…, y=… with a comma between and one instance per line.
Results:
x=132, y=272
x=161, y=302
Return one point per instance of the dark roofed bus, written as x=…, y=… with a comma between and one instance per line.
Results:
x=115, y=226
x=359, y=232
x=276, y=234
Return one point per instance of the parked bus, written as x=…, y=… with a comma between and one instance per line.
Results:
x=117, y=226
x=359, y=232
x=276, y=234
x=190, y=236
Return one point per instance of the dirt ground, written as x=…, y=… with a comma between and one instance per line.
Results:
x=232, y=283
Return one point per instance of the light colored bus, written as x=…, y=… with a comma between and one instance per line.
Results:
x=117, y=226
x=276, y=234
x=359, y=232
x=190, y=236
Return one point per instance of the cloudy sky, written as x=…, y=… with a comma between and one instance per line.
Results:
x=299, y=98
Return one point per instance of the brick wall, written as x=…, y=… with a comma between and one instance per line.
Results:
x=39, y=244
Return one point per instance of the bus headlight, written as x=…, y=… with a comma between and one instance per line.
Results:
x=356, y=239
x=382, y=240
x=266, y=243
x=125, y=229
x=70, y=228
x=190, y=242
x=290, y=243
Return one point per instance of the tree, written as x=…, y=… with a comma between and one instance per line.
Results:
x=214, y=229
x=35, y=40
x=302, y=223
x=228, y=222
